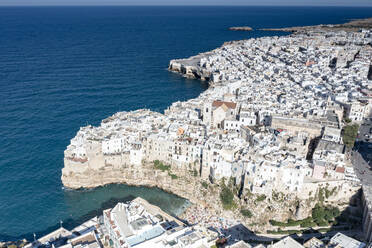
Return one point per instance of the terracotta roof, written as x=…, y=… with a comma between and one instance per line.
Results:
x=340, y=169
x=230, y=105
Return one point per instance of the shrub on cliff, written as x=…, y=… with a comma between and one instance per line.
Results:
x=321, y=222
x=227, y=198
x=160, y=166
x=173, y=176
x=204, y=184
x=261, y=198
x=308, y=223
x=317, y=213
x=277, y=223
x=321, y=195
x=335, y=212
x=246, y=213
x=324, y=215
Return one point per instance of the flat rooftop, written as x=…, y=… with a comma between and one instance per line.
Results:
x=346, y=242
x=155, y=210
x=146, y=235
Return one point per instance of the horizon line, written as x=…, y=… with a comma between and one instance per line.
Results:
x=168, y=5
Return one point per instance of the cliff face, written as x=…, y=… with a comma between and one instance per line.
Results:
x=188, y=185
x=82, y=176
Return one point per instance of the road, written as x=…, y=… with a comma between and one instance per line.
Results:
x=362, y=153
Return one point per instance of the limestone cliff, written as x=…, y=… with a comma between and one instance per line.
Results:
x=188, y=185
x=144, y=175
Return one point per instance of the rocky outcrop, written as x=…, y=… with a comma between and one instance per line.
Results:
x=244, y=28
x=191, y=67
x=353, y=25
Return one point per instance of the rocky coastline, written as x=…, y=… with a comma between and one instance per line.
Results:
x=204, y=196
x=353, y=25
x=101, y=169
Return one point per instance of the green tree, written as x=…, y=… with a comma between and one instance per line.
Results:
x=308, y=222
x=328, y=216
x=318, y=213
x=335, y=212
x=321, y=222
x=227, y=198
x=350, y=133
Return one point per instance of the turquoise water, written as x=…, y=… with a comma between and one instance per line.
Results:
x=66, y=67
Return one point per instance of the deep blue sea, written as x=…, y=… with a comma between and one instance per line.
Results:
x=66, y=67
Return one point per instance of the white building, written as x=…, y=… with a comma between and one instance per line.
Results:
x=343, y=241
x=113, y=145
x=136, y=155
x=141, y=225
x=247, y=118
x=332, y=134
x=231, y=124
x=357, y=110
x=287, y=242
x=293, y=177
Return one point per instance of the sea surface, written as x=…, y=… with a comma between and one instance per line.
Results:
x=65, y=67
